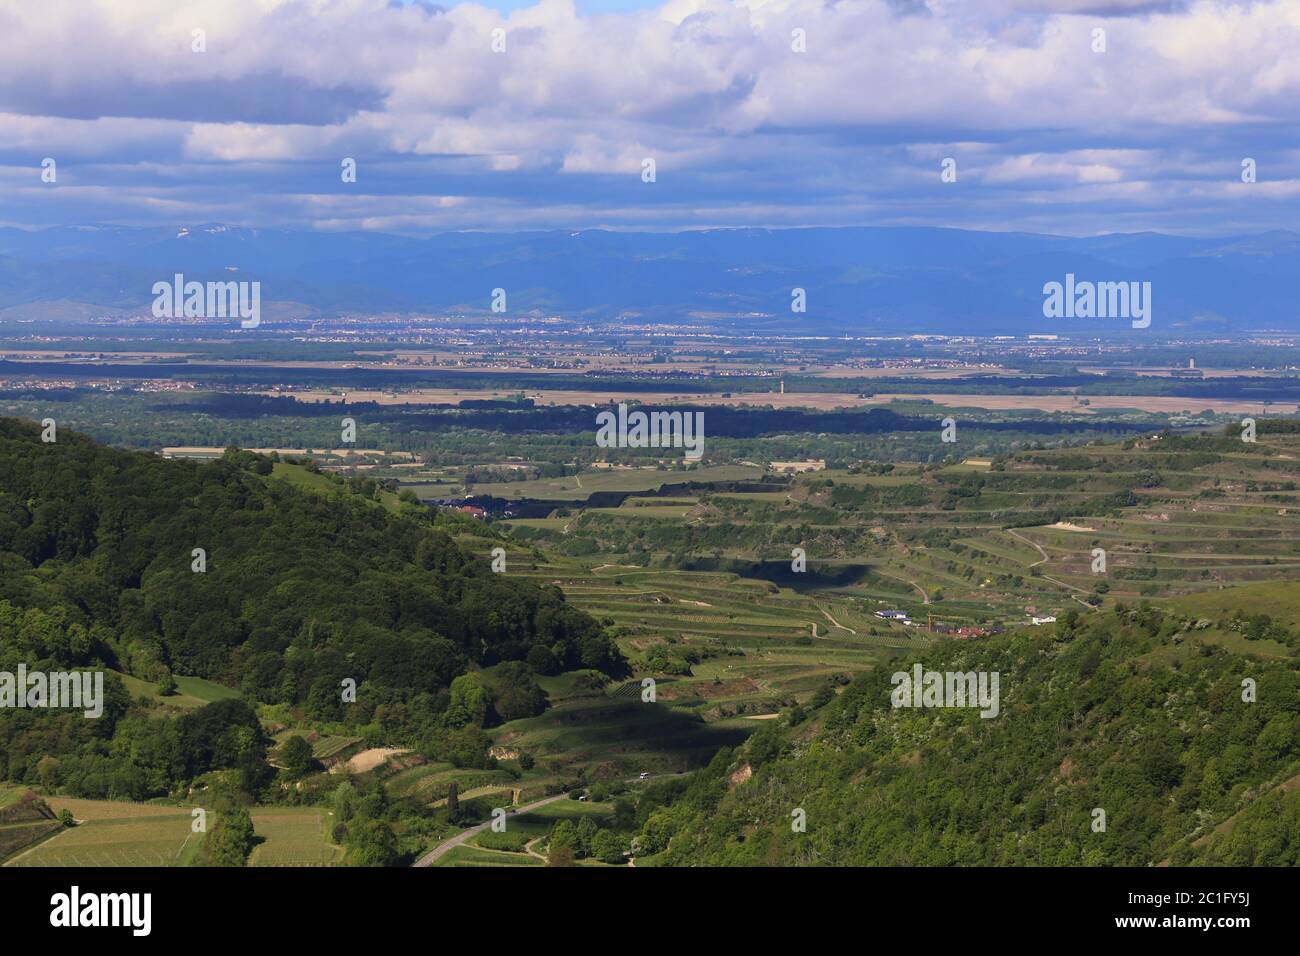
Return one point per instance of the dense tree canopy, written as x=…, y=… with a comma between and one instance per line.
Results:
x=293, y=593
x=1114, y=713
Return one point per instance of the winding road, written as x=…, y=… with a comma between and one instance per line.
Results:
x=925, y=598
x=446, y=847
x=1020, y=537
x=833, y=621
x=1047, y=577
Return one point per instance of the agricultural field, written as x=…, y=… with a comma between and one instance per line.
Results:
x=703, y=598
x=614, y=479
x=982, y=543
x=294, y=836
x=722, y=650
x=24, y=819
x=326, y=747
x=430, y=782
x=757, y=598
x=465, y=855
x=115, y=833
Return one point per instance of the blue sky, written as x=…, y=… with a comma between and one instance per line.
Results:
x=756, y=113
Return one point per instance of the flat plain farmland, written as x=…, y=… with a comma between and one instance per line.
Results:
x=294, y=836
x=112, y=833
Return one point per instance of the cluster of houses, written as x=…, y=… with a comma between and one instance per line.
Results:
x=965, y=631
x=480, y=508
x=938, y=627
x=900, y=616
x=960, y=631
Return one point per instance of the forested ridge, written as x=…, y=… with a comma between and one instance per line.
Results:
x=1115, y=711
x=300, y=592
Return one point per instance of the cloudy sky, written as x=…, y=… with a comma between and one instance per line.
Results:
x=1048, y=134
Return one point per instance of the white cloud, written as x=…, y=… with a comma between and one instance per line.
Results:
x=704, y=86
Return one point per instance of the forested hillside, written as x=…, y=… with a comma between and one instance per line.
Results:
x=1125, y=711
x=299, y=592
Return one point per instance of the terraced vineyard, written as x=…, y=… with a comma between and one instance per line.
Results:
x=24, y=819
x=705, y=601
x=430, y=781
x=976, y=542
x=753, y=648
x=736, y=606
x=327, y=747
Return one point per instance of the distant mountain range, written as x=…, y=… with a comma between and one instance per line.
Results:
x=857, y=280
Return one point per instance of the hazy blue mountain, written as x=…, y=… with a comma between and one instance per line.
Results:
x=868, y=280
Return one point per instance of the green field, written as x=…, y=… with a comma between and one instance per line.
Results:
x=464, y=855
x=191, y=692
x=113, y=833
x=977, y=545
x=302, y=477
x=293, y=836
x=761, y=648
x=524, y=842
x=632, y=479
x=429, y=782
x=701, y=597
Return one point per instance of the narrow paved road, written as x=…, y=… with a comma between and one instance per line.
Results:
x=464, y=835
x=459, y=838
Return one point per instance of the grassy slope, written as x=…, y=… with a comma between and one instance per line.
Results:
x=191, y=692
